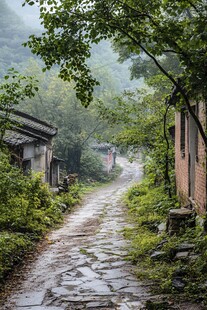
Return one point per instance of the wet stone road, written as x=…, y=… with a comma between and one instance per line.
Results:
x=84, y=266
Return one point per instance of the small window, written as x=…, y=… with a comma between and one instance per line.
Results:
x=182, y=133
x=26, y=166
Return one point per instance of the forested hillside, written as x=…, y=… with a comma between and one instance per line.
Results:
x=13, y=33
x=30, y=15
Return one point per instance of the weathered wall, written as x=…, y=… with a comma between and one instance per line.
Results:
x=40, y=156
x=181, y=162
x=200, y=171
x=182, y=169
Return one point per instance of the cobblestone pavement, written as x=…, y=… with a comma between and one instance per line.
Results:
x=84, y=266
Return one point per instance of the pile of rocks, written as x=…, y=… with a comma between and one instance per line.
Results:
x=184, y=252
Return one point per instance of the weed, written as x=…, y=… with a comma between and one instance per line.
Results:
x=83, y=251
x=147, y=207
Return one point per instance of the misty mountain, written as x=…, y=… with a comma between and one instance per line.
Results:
x=29, y=14
x=13, y=32
x=15, y=27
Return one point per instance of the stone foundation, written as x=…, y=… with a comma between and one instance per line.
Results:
x=179, y=220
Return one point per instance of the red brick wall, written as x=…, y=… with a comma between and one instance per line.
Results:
x=182, y=169
x=181, y=162
x=200, y=170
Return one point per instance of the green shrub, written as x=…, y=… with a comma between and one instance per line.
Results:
x=27, y=210
x=148, y=206
x=26, y=203
x=68, y=199
x=38, y=193
x=91, y=166
x=145, y=199
x=142, y=244
x=12, y=249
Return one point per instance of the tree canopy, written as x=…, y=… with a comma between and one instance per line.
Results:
x=156, y=28
x=14, y=89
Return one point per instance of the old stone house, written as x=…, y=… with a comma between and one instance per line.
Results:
x=30, y=143
x=190, y=159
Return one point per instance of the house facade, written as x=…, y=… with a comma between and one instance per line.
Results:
x=190, y=159
x=30, y=143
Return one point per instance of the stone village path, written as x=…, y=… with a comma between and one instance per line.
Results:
x=84, y=266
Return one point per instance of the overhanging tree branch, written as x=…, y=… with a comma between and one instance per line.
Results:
x=174, y=82
x=182, y=92
x=90, y=134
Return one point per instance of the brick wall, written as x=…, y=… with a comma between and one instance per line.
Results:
x=181, y=161
x=182, y=164
x=200, y=169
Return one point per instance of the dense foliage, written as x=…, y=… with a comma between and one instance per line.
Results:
x=56, y=103
x=156, y=29
x=27, y=210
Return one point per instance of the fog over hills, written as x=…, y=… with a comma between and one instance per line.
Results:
x=13, y=33
x=17, y=23
x=29, y=14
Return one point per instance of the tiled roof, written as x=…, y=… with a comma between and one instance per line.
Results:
x=27, y=129
x=15, y=138
x=34, y=123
